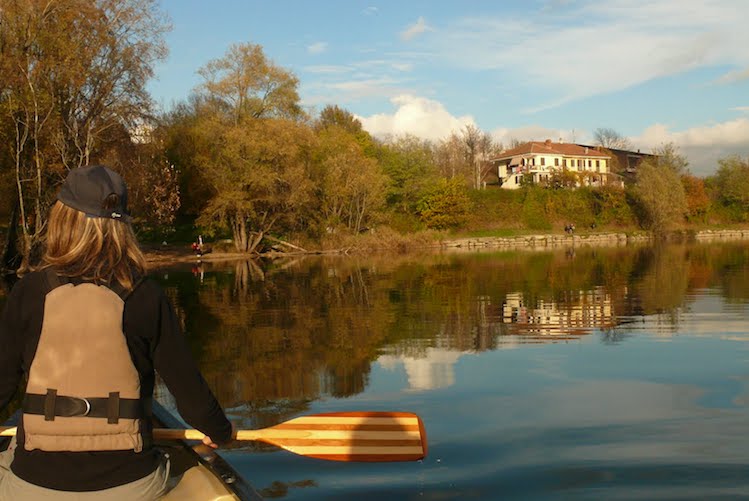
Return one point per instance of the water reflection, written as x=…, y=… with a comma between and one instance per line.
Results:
x=304, y=329
x=577, y=314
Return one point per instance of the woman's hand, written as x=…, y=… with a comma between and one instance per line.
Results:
x=210, y=443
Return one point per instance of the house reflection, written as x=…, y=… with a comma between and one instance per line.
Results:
x=577, y=314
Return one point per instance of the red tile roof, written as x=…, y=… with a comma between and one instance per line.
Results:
x=549, y=148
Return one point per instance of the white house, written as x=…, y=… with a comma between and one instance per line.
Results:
x=541, y=159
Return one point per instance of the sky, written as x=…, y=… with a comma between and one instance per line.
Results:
x=655, y=71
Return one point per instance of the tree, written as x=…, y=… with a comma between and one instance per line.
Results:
x=660, y=191
x=251, y=86
x=698, y=202
x=253, y=152
x=353, y=185
x=449, y=157
x=609, y=138
x=732, y=182
x=445, y=205
x=259, y=175
x=153, y=185
x=182, y=146
x=409, y=164
x=478, y=147
x=335, y=116
x=70, y=72
x=464, y=154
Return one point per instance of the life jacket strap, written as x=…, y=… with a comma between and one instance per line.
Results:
x=51, y=405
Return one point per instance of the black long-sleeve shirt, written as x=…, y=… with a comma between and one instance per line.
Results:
x=156, y=343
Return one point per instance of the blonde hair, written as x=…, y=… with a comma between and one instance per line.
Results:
x=92, y=248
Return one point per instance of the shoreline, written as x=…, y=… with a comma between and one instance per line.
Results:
x=169, y=254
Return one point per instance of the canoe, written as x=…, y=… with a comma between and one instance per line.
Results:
x=206, y=476
x=200, y=472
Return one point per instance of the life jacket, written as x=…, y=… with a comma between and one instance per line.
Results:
x=83, y=391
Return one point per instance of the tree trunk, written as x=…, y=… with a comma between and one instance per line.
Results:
x=239, y=231
x=11, y=257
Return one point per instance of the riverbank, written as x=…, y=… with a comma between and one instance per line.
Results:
x=167, y=254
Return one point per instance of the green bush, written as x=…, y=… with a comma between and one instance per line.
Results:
x=445, y=205
x=610, y=206
x=535, y=203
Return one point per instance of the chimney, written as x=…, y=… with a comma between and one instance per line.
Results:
x=560, y=140
x=548, y=142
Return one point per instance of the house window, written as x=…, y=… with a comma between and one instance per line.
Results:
x=533, y=161
x=556, y=162
x=517, y=179
x=543, y=160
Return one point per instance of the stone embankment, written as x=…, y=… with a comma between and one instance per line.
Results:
x=593, y=239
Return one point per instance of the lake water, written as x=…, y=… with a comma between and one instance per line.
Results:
x=606, y=373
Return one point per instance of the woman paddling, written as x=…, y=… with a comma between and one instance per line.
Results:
x=88, y=334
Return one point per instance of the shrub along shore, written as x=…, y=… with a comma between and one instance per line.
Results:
x=161, y=255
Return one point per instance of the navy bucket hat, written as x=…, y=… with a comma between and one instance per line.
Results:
x=97, y=191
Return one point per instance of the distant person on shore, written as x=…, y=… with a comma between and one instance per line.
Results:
x=88, y=333
x=197, y=246
x=569, y=228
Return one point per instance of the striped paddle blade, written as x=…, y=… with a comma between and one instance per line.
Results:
x=350, y=436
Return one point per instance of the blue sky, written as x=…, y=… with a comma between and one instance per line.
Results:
x=656, y=71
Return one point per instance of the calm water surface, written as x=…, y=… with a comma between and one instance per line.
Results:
x=617, y=373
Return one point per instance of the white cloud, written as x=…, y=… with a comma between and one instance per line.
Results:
x=415, y=115
x=702, y=145
x=370, y=11
x=744, y=109
x=327, y=69
x=419, y=27
x=592, y=47
x=317, y=48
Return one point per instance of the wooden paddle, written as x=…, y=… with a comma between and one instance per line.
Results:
x=337, y=436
